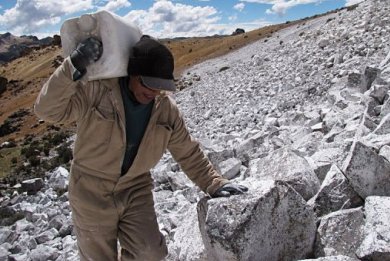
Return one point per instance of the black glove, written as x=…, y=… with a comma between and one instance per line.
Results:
x=229, y=189
x=87, y=52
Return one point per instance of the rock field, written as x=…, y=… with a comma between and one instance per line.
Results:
x=301, y=118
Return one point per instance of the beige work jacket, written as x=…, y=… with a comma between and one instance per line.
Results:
x=97, y=108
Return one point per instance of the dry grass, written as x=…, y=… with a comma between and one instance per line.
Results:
x=31, y=72
x=6, y=156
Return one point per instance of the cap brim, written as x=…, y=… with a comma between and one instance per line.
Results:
x=159, y=83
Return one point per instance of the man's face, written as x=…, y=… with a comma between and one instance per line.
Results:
x=142, y=93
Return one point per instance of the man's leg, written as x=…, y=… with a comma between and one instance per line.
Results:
x=95, y=217
x=139, y=235
x=96, y=245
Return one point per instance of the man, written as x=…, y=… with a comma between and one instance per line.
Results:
x=124, y=125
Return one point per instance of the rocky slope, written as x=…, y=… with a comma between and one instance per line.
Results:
x=301, y=118
x=12, y=47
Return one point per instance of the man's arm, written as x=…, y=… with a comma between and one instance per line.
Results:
x=62, y=98
x=57, y=100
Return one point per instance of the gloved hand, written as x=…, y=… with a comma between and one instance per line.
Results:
x=87, y=52
x=229, y=189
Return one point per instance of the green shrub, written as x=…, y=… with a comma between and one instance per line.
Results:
x=14, y=160
x=64, y=154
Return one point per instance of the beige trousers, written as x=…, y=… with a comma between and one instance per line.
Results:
x=102, y=216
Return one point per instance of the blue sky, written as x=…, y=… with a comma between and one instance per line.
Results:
x=161, y=18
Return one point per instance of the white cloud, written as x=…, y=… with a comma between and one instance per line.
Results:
x=281, y=6
x=352, y=2
x=239, y=6
x=168, y=19
x=113, y=5
x=233, y=18
x=29, y=16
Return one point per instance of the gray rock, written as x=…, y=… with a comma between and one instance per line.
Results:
x=323, y=43
x=57, y=222
x=355, y=79
x=18, y=257
x=46, y=236
x=59, y=179
x=385, y=152
x=271, y=222
x=32, y=186
x=378, y=92
x=286, y=165
x=217, y=154
x=248, y=148
x=385, y=110
x=332, y=258
x=376, y=243
x=320, y=168
x=188, y=244
x=4, y=253
x=324, y=158
x=370, y=74
x=384, y=126
x=44, y=253
x=368, y=172
x=66, y=228
x=340, y=233
x=230, y=168
x=308, y=144
x=335, y=194
x=178, y=180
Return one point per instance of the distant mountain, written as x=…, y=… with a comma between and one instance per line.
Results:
x=12, y=47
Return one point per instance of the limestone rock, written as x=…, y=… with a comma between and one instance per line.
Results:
x=46, y=236
x=335, y=194
x=370, y=74
x=230, y=168
x=249, y=147
x=368, y=172
x=43, y=252
x=376, y=242
x=59, y=179
x=271, y=222
x=384, y=126
x=332, y=258
x=286, y=165
x=340, y=233
x=188, y=244
x=378, y=92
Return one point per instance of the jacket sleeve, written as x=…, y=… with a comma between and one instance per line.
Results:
x=187, y=152
x=61, y=99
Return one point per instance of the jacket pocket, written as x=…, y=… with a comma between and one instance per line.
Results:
x=101, y=125
x=104, y=114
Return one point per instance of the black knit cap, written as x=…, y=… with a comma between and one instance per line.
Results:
x=153, y=62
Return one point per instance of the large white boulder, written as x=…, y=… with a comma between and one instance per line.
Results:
x=376, y=243
x=368, y=172
x=270, y=222
x=286, y=165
